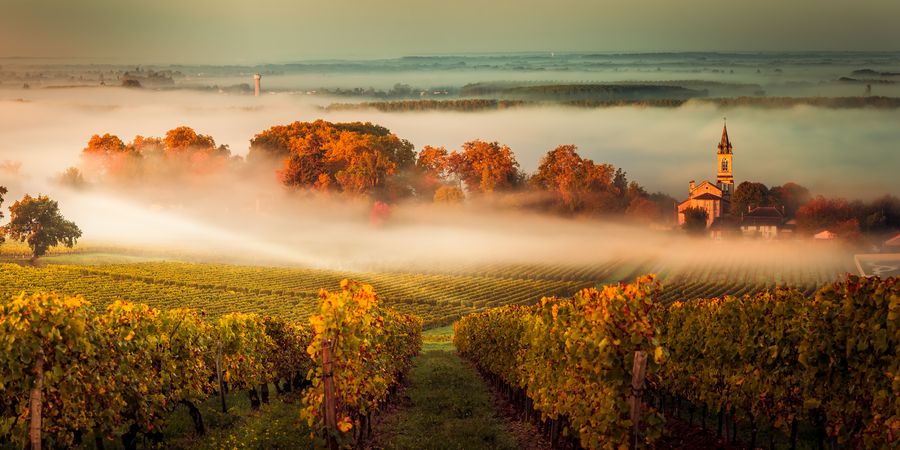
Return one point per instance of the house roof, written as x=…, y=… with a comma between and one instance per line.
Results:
x=765, y=211
x=824, y=234
x=894, y=241
x=765, y=216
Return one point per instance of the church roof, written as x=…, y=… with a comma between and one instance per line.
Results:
x=707, y=196
x=724, y=143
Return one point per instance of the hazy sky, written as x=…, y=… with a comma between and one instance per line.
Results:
x=251, y=31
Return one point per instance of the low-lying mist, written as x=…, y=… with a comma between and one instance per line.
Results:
x=849, y=153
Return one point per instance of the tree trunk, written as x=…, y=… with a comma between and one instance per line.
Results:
x=99, y=440
x=196, y=417
x=264, y=393
x=254, y=398
x=34, y=433
x=721, y=422
x=794, y=434
x=129, y=439
x=703, y=417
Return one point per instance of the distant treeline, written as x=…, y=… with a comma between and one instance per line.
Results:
x=468, y=105
x=567, y=92
x=429, y=105
x=821, y=102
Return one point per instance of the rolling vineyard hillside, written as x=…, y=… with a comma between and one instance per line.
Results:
x=439, y=295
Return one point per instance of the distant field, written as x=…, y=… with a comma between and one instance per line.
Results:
x=438, y=294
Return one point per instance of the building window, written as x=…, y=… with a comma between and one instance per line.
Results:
x=724, y=165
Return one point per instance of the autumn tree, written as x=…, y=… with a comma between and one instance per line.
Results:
x=826, y=213
x=432, y=169
x=38, y=221
x=791, y=196
x=354, y=157
x=183, y=139
x=485, y=167
x=749, y=195
x=148, y=147
x=108, y=156
x=695, y=221
x=274, y=144
x=104, y=145
x=579, y=184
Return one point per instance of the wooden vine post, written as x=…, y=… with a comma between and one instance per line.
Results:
x=219, y=376
x=637, y=390
x=36, y=400
x=329, y=403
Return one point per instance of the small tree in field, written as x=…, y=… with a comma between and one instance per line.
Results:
x=695, y=221
x=37, y=220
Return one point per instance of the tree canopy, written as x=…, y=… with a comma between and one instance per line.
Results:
x=182, y=151
x=576, y=181
x=749, y=195
x=38, y=221
x=791, y=196
x=485, y=167
x=357, y=158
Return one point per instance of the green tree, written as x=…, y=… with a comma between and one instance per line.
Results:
x=748, y=195
x=38, y=221
x=695, y=221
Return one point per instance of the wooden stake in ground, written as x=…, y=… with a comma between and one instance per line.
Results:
x=637, y=391
x=219, y=375
x=35, y=429
x=329, y=404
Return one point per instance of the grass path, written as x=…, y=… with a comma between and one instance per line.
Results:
x=444, y=405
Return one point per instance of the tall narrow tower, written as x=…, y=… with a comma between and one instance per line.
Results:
x=256, y=79
x=724, y=169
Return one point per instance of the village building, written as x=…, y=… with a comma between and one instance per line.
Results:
x=714, y=198
x=766, y=222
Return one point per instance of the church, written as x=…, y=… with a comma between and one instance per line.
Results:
x=714, y=198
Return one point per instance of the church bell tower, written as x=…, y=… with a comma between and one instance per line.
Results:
x=724, y=168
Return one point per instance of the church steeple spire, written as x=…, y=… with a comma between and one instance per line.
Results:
x=724, y=169
x=724, y=143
